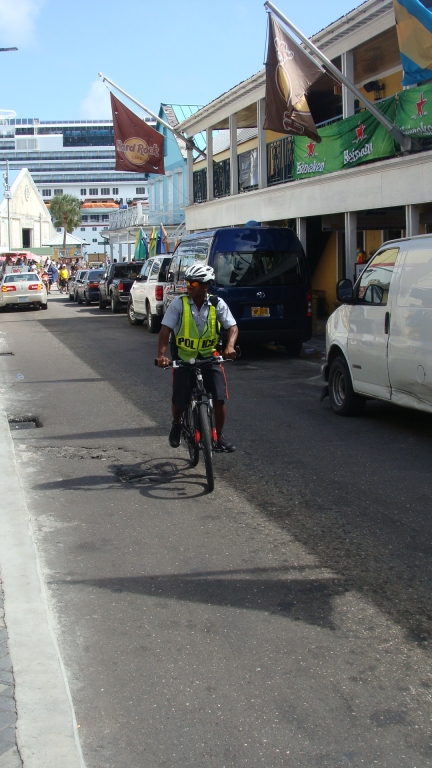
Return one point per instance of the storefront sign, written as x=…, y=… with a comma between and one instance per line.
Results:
x=414, y=111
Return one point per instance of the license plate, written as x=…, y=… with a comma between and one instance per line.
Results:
x=260, y=311
x=22, y=298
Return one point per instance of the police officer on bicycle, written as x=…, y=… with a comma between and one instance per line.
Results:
x=194, y=320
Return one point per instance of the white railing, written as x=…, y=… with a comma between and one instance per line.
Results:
x=128, y=217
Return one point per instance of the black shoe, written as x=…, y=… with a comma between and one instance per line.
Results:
x=223, y=446
x=175, y=435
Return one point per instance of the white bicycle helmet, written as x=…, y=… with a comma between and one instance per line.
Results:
x=200, y=272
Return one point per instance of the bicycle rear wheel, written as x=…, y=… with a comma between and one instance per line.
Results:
x=206, y=442
x=190, y=435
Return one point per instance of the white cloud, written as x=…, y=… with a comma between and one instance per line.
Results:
x=17, y=21
x=96, y=104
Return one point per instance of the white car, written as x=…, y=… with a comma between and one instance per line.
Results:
x=379, y=341
x=147, y=293
x=23, y=288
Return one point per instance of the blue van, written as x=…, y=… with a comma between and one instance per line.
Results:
x=261, y=273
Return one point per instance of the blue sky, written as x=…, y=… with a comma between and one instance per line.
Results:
x=176, y=51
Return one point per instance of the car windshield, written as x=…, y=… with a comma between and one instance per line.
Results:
x=27, y=277
x=94, y=274
x=245, y=268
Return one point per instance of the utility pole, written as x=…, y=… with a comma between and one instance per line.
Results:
x=7, y=195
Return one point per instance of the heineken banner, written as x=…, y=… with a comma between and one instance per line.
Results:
x=346, y=143
x=414, y=111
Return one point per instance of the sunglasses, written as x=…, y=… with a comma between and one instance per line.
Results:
x=193, y=283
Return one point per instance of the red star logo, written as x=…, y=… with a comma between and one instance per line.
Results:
x=420, y=104
x=360, y=131
x=310, y=149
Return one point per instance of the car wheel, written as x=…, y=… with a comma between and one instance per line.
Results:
x=153, y=321
x=102, y=304
x=344, y=401
x=71, y=297
x=114, y=306
x=133, y=319
x=79, y=299
x=87, y=301
x=44, y=306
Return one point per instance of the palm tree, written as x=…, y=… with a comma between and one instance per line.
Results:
x=65, y=212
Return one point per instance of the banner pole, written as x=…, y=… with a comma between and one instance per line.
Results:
x=152, y=114
x=401, y=138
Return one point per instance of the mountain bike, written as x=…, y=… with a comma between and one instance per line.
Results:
x=198, y=422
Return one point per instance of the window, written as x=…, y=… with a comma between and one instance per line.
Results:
x=94, y=240
x=46, y=193
x=94, y=217
x=105, y=217
x=374, y=283
x=83, y=192
x=93, y=191
x=84, y=218
x=246, y=268
x=58, y=192
x=146, y=269
x=187, y=253
x=416, y=278
x=115, y=190
x=105, y=191
x=59, y=229
x=82, y=229
x=104, y=227
x=141, y=190
x=94, y=229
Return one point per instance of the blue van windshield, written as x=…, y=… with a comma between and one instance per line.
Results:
x=245, y=268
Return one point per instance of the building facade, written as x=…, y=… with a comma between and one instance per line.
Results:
x=25, y=222
x=335, y=213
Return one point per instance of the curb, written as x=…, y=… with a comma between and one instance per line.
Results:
x=46, y=727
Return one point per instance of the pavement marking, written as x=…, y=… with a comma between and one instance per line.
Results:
x=47, y=732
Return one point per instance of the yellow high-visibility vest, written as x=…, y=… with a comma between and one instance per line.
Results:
x=188, y=340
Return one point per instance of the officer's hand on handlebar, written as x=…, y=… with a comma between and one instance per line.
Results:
x=163, y=362
x=229, y=353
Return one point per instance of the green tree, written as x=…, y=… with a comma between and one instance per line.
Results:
x=65, y=212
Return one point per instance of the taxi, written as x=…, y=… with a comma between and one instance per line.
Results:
x=23, y=288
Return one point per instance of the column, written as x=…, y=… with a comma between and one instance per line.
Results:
x=190, y=184
x=412, y=218
x=301, y=231
x=111, y=247
x=262, y=146
x=120, y=246
x=129, y=246
x=350, y=244
x=348, y=71
x=233, y=155
x=210, y=183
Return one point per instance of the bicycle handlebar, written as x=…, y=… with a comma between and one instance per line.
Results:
x=193, y=362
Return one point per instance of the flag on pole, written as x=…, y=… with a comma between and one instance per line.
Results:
x=141, y=250
x=162, y=245
x=138, y=147
x=153, y=242
x=414, y=31
x=290, y=71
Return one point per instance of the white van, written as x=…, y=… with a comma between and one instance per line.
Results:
x=379, y=343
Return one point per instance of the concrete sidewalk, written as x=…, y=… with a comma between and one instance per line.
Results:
x=37, y=721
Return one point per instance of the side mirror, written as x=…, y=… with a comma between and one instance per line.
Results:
x=170, y=277
x=344, y=291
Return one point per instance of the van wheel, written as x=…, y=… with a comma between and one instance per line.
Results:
x=153, y=321
x=343, y=399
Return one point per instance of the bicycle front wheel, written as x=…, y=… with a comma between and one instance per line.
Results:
x=206, y=442
x=190, y=435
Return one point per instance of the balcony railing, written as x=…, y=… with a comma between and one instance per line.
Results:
x=280, y=160
x=128, y=217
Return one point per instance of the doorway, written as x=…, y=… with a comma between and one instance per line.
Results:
x=26, y=238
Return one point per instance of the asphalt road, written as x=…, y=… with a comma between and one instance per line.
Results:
x=283, y=620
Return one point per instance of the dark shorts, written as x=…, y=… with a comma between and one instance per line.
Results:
x=214, y=383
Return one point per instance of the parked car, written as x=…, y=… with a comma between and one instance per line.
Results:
x=88, y=289
x=147, y=292
x=114, y=288
x=23, y=288
x=379, y=341
x=73, y=282
x=261, y=273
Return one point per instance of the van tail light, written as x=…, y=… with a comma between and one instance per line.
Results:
x=93, y=285
x=159, y=292
x=35, y=287
x=7, y=288
x=121, y=286
x=309, y=304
